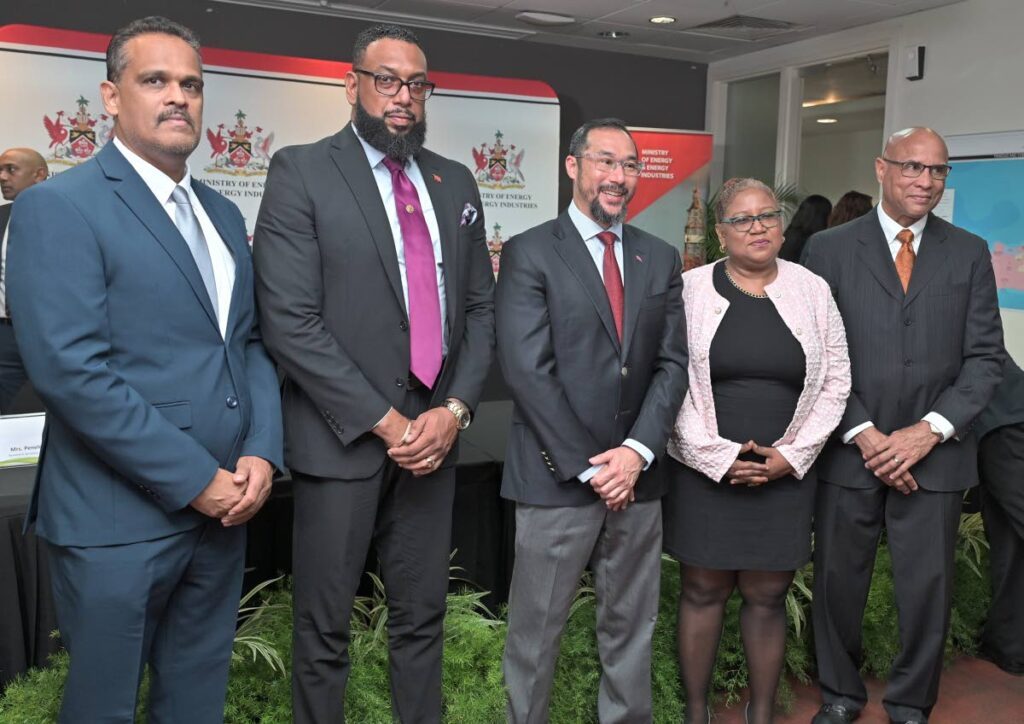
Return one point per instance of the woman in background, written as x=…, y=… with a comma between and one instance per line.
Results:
x=769, y=377
x=852, y=205
x=810, y=217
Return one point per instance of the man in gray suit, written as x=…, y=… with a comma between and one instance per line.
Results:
x=592, y=342
x=918, y=297
x=376, y=294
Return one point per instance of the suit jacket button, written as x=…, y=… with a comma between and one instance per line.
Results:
x=625, y=370
x=399, y=382
x=908, y=321
x=403, y=325
x=231, y=401
x=908, y=362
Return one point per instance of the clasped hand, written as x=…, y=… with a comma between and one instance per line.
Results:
x=745, y=472
x=236, y=497
x=890, y=457
x=420, y=445
x=614, y=482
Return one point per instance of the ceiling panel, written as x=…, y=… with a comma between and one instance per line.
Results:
x=434, y=8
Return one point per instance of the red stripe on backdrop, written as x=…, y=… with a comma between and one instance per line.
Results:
x=243, y=60
x=670, y=158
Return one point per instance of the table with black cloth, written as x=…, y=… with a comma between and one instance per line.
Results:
x=482, y=534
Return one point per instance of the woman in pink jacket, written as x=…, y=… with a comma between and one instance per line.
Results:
x=769, y=377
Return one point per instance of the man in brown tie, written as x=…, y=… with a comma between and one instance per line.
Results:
x=592, y=342
x=918, y=297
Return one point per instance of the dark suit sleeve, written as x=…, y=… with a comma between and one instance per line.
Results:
x=58, y=286
x=527, y=358
x=669, y=379
x=983, y=352
x=289, y=289
x=476, y=348
x=820, y=260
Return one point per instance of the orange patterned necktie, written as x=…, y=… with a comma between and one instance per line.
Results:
x=905, y=257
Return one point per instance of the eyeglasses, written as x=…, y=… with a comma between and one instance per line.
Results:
x=608, y=165
x=913, y=169
x=389, y=85
x=769, y=220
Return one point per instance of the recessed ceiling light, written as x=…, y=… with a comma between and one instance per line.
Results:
x=614, y=34
x=546, y=19
x=662, y=20
x=827, y=120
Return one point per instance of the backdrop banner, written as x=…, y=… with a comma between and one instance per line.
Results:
x=504, y=130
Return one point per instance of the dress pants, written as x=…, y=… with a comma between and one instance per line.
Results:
x=171, y=603
x=12, y=372
x=409, y=522
x=1001, y=465
x=921, y=530
x=553, y=547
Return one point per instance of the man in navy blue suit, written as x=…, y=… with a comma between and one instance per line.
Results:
x=137, y=325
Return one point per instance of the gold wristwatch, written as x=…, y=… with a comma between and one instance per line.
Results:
x=461, y=412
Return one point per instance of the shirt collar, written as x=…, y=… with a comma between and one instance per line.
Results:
x=158, y=182
x=372, y=154
x=890, y=228
x=589, y=228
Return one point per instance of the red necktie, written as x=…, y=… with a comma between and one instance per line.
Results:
x=421, y=278
x=612, y=279
x=905, y=257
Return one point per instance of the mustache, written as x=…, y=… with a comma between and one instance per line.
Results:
x=617, y=188
x=183, y=115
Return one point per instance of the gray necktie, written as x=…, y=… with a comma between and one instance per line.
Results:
x=187, y=223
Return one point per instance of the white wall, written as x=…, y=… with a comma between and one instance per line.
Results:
x=833, y=163
x=973, y=76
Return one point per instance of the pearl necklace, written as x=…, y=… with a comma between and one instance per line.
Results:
x=733, y=282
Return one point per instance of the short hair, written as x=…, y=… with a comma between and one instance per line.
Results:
x=381, y=32
x=578, y=141
x=117, y=59
x=731, y=188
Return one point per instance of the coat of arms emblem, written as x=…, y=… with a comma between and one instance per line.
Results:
x=499, y=166
x=239, y=151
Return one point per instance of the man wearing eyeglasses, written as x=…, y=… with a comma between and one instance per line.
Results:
x=376, y=298
x=918, y=297
x=592, y=342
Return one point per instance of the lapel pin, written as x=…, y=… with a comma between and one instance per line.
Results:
x=639, y=259
x=437, y=178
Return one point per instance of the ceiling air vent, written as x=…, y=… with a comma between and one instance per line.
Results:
x=745, y=28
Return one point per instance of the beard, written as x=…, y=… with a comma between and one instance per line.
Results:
x=598, y=212
x=375, y=132
x=186, y=145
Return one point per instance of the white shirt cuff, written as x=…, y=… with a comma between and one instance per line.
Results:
x=382, y=419
x=590, y=472
x=853, y=432
x=641, y=449
x=946, y=429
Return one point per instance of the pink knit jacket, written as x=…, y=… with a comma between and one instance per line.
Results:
x=805, y=304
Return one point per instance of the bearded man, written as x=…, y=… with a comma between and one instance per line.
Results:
x=376, y=298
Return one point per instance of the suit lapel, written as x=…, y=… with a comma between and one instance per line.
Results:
x=931, y=255
x=635, y=270
x=571, y=247
x=136, y=195
x=348, y=155
x=875, y=254
x=447, y=219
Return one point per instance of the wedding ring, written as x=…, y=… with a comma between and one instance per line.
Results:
x=430, y=462
x=896, y=459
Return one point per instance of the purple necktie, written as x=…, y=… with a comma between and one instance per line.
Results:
x=421, y=278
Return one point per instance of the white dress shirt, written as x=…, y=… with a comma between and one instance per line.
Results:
x=162, y=187
x=382, y=176
x=3, y=273
x=589, y=229
x=890, y=229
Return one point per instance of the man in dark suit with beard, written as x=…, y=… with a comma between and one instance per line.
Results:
x=376, y=295
x=918, y=298
x=592, y=342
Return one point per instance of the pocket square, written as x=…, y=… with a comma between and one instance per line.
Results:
x=468, y=215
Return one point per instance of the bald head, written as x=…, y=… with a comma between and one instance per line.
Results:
x=914, y=132
x=19, y=169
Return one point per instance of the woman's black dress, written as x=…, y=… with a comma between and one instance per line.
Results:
x=757, y=375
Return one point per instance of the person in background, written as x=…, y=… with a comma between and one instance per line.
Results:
x=918, y=296
x=740, y=498
x=19, y=169
x=810, y=217
x=851, y=205
x=1000, y=431
x=164, y=419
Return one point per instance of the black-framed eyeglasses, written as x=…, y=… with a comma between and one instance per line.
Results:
x=608, y=165
x=913, y=169
x=390, y=85
x=743, y=224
